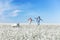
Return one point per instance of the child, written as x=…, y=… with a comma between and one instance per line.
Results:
x=30, y=20
x=38, y=19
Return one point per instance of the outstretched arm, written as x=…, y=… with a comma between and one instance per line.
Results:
x=41, y=19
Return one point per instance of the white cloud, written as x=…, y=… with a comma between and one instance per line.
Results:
x=5, y=6
x=15, y=13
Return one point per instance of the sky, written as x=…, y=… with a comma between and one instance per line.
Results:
x=13, y=11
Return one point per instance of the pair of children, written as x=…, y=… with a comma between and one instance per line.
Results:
x=38, y=19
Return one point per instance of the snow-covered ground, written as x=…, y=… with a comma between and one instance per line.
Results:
x=30, y=32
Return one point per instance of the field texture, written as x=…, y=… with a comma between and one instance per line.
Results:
x=30, y=32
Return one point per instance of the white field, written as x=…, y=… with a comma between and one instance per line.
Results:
x=30, y=32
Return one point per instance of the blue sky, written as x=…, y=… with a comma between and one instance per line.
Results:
x=13, y=11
